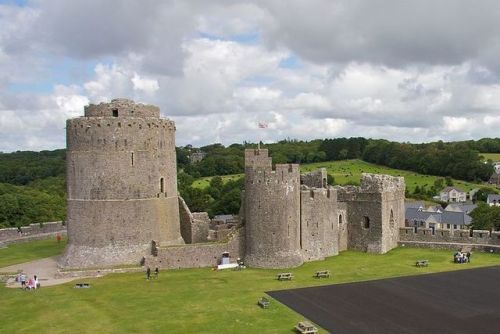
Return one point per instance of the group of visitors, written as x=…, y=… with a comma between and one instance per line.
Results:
x=148, y=273
x=30, y=283
x=460, y=257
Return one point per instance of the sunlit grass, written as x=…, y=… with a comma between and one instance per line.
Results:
x=201, y=300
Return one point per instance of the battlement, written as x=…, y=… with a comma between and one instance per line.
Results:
x=121, y=108
x=318, y=193
x=257, y=158
x=283, y=173
x=316, y=179
x=455, y=236
x=381, y=183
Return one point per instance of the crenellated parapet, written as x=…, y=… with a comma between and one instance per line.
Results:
x=121, y=108
x=257, y=159
x=316, y=179
x=378, y=183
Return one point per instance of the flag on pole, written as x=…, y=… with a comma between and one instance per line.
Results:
x=262, y=125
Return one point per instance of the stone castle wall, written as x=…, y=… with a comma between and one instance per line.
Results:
x=374, y=211
x=272, y=212
x=319, y=223
x=194, y=226
x=315, y=179
x=343, y=226
x=121, y=183
x=31, y=230
x=199, y=255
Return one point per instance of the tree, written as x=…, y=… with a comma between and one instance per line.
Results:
x=485, y=217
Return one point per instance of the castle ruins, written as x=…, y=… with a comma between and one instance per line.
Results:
x=123, y=205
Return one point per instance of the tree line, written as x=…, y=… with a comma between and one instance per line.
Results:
x=32, y=184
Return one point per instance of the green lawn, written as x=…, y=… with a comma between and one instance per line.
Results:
x=200, y=300
x=29, y=251
x=493, y=156
x=349, y=172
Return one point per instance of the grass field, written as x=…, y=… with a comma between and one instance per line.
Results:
x=29, y=251
x=493, y=156
x=349, y=172
x=199, y=300
x=203, y=182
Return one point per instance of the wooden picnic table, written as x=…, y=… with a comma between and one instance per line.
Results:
x=322, y=273
x=285, y=276
x=422, y=263
x=263, y=302
x=305, y=328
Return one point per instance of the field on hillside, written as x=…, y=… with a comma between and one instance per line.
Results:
x=493, y=156
x=200, y=300
x=349, y=172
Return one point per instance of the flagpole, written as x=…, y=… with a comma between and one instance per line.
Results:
x=261, y=125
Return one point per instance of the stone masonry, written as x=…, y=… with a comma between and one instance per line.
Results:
x=123, y=205
x=285, y=226
x=121, y=184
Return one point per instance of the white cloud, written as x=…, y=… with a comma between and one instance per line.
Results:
x=455, y=124
x=317, y=69
x=149, y=86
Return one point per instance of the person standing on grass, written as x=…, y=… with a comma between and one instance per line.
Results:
x=58, y=238
x=148, y=273
x=22, y=278
x=157, y=271
x=468, y=257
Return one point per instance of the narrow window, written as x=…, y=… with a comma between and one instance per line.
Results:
x=366, y=222
x=132, y=158
x=340, y=219
x=115, y=112
x=162, y=185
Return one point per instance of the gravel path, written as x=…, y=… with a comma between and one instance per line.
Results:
x=45, y=269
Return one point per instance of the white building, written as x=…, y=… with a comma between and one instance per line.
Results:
x=452, y=194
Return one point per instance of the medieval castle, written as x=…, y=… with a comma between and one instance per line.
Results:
x=123, y=205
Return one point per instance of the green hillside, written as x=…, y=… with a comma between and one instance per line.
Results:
x=491, y=156
x=349, y=172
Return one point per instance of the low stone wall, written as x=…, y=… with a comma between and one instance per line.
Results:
x=452, y=246
x=477, y=237
x=199, y=255
x=31, y=230
x=33, y=237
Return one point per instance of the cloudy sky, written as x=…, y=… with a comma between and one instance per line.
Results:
x=402, y=70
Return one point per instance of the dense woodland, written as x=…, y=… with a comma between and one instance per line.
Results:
x=32, y=184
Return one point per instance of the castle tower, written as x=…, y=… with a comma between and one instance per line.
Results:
x=375, y=212
x=272, y=212
x=121, y=184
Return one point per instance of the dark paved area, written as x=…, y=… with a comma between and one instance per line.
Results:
x=465, y=301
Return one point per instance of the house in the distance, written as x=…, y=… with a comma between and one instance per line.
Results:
x=196, y=156
x=452, y=194
x=493, y=199
x=454, y=217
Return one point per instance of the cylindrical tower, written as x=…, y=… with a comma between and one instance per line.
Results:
x=121, y=184
x=272, y=212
